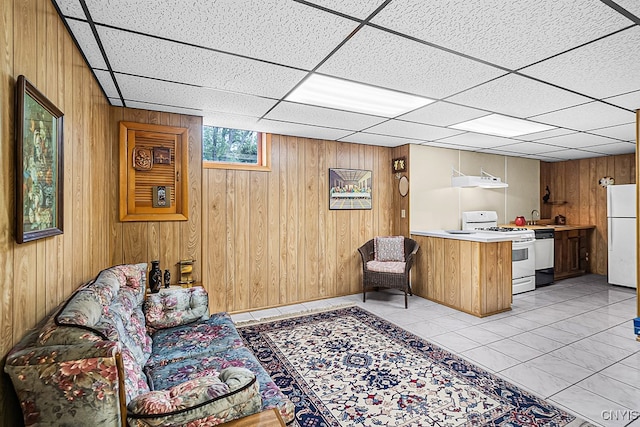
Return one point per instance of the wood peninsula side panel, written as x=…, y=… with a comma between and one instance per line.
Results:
x=474, y=277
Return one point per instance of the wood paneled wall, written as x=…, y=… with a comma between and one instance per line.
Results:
x=270, y=239
x=170, y=241
x=576, y=194
x=37, y=276
x=400, y=224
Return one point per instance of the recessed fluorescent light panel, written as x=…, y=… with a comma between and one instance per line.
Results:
x=495, y=124
x=357, y=97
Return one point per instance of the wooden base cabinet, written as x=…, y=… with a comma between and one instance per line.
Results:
x=571, y=253
x=474, y=277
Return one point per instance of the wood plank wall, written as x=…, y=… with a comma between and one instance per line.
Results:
x=576, y=194
x=270, y=239
x=400, y=224
x=166, y=241
x=37, y=276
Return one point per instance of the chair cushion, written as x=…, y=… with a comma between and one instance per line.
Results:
x=386, y=266
x=389, y=248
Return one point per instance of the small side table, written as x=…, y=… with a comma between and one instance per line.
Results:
x=269, y=418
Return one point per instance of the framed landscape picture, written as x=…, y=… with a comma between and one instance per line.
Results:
x=39, y=205
x=349, y=189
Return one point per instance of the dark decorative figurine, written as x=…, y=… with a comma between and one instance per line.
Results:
x=545, y=198
x=155, y=277
x=167, y=278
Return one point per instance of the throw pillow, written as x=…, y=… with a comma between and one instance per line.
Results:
x=389, y=248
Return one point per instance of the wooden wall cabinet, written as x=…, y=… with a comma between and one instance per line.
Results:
x=571, y=253
x=153, y=167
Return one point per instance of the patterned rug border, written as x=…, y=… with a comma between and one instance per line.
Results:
x=285, y=316
x=399, y=334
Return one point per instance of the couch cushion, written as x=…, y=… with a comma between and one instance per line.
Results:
x=110, y=307
x=389, y=248
x=174, y=308
x=386, y=266
x=162, y=377
x=190, y=341
x=204, y=401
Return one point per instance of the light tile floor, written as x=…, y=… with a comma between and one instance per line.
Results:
x=571, y=342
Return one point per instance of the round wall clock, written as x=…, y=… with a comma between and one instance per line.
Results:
x=605, y=181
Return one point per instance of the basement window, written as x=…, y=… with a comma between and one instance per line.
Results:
x=225, y=148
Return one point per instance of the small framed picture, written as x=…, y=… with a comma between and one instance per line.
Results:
x=162, y=155
x=161, y=196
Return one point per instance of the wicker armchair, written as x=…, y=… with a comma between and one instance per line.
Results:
x=387, y=274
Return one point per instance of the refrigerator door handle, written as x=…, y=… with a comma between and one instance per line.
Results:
x=610, y=233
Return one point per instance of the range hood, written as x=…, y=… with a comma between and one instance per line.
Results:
x=485, y=180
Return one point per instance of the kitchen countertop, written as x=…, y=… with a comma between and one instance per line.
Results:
x=554, y=227
x=473, y=237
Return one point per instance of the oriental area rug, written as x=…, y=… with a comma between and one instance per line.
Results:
x=348, y=367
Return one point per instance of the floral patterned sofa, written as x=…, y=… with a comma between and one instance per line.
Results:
x=112, y=355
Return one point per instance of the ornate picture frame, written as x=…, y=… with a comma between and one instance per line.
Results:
x=39, y=164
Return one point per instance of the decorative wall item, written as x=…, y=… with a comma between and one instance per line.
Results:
x=350, y=189
x=161, y=196
x=162, y=155
x=399, y=164
x=154, y=182
x=155, y=277
x=142, y=158
x=186, y=271
x=39, y=180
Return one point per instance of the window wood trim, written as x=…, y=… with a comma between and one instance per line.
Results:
x=264, y=158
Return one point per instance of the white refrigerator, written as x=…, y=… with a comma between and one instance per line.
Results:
x=621, y=221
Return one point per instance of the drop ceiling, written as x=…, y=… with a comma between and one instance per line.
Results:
x=571, y=64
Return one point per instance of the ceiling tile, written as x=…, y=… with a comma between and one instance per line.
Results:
x=508, y=33
x=543, y=158
x=232, y=121
x=104, y=77
x=578, y=140
x=527, y=148
x=518, y=96
x=477, y=140
x=305, y=131
x=319, y=116
x=614, y=149
x=373, y=139
x=360, y=9
x=83, y=34
x=572, y=154
x=281, y=31
x=150, y=57
x=115, y=101
x=594, y=115
x=602, y=69
x=165, y=108
x=629, y=100
x=442, y=113
x=440, y=144
x=381, y=59
x=184, y=96
x=412, y=130
x=540, y=136
x=71, y=8
x=623, y=132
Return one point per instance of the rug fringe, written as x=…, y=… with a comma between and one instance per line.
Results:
x=292, y=315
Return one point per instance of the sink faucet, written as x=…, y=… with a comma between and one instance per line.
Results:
x=533, y=216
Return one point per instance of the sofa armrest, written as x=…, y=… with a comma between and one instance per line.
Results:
x=67, y=385
x=177, y=307
x=203, y=401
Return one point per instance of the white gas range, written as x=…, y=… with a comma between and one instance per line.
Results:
x=523, y=265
